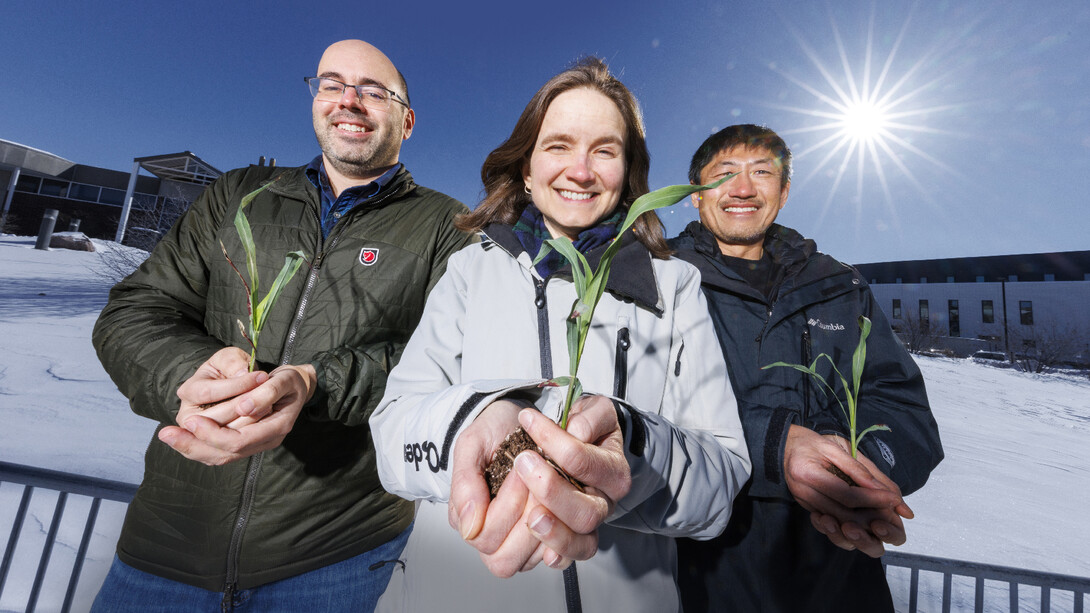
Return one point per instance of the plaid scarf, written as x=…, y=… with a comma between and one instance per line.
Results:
x=532, y=233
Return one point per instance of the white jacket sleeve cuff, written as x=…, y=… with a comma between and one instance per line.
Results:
x=414, y=434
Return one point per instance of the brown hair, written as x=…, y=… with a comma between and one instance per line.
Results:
x=502, y=170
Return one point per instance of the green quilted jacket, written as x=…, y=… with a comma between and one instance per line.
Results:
x=316, y=499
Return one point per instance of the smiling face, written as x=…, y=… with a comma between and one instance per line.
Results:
x=359, y=144
x=739, y=211
x=576, y=172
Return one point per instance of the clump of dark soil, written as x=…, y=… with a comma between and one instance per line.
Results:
x=504, y=462
x=843, y=475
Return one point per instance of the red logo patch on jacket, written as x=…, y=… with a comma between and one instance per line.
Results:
x=368, y=256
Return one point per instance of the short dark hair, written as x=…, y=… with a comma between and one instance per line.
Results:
x=745, y=134
x=502, y=171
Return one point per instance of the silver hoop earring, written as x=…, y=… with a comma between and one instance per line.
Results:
x=526, y=188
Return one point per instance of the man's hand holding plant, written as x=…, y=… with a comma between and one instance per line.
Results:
x=863, y=516
x=255, y=410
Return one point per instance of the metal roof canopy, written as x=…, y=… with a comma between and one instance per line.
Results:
x=183, y=166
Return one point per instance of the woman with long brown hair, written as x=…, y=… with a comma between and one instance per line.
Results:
x=656, y=439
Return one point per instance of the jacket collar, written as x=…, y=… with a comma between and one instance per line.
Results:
x=789, y=250
x=293, y=183
x=799, y=258
x=631, y=276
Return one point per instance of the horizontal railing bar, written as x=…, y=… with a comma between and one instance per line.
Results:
x=987, y=571
x=79, y=485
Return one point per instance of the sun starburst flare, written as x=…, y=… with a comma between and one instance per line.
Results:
x=868, y=117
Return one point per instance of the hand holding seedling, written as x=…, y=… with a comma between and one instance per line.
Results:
x=239, y=426
x=222, y=377
x=217, y=425
x=539, y=516
x=853, y=517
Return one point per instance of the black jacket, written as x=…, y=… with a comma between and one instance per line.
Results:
x=770, y=558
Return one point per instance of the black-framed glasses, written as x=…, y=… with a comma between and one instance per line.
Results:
x=374, y=97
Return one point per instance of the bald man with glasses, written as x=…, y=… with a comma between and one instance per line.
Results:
x=260, y=488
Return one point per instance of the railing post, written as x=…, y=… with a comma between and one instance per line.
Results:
x=914, y=594
x=16, y=528
x=47, y=550
x=88, y=529
x=947, y=580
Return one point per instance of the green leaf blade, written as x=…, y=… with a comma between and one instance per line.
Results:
x=292, y=262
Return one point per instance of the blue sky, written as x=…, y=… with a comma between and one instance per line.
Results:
x=985, y=149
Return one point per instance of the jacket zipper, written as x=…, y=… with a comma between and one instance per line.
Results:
x=620, y=363
x=764, y=330
x=312, y=280
x=571, y=578
x=806, y=351
x=249, y=487
x=543, y=329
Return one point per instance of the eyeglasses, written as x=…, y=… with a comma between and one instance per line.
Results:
x=374, y=97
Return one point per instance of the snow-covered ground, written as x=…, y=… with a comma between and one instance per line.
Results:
x=1013, y=489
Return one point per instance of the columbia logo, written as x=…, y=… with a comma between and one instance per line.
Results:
x=817, y=323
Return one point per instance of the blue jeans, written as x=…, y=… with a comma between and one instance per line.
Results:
x=352, y=585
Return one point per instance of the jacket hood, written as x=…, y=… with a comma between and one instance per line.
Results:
x=631, y=275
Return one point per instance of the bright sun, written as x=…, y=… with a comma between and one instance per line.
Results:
x=864, y=121
x=864, y=117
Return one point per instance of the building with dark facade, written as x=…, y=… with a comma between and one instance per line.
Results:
x=94, y=199
x=1005, y=303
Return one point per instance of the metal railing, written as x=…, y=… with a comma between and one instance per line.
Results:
x=98, y=490
x=64, y=484
x=1012, y=577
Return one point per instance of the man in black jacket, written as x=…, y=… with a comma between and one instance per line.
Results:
x=271, y=499
x=800, y=538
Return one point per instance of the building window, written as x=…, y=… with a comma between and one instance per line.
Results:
x=980, y=279
x=950, y=279
x=925, y=314
x=112, y=196
x=923, y=279
x=51, y=187
x=898, y=280
x=1050, y=277
x=896, y=308
x=987, y=312
x=27, y=183
x=955, y=318
x=1012, y=278
x=79, y=191
x=1025, y=312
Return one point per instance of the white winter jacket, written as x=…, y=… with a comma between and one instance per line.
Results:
x=491, y=327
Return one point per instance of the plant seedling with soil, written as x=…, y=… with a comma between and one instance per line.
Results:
x=589, y=285
x=850, y=412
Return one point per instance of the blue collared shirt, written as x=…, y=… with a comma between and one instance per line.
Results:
x=333, y=209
